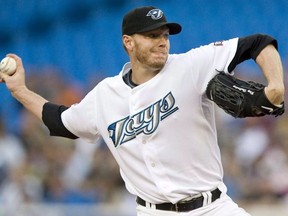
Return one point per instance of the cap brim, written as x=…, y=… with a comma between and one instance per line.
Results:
x=174, y=28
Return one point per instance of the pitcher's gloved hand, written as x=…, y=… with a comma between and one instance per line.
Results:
x=241, y=98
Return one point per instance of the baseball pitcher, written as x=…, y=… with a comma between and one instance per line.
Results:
x=157, y=115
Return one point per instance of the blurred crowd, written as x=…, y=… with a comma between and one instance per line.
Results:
x=37, y=168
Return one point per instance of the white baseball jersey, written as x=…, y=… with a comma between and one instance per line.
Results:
x=162, y=133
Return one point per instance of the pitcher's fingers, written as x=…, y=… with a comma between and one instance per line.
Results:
x=3, y=77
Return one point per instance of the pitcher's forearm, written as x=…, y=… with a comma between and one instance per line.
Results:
x=30, y=100
x=271, y=66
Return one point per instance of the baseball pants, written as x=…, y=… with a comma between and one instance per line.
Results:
x=224, y=206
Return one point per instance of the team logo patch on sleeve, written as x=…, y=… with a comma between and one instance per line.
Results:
x=218, y=43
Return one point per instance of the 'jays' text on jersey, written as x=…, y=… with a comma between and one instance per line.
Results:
x=162, y=133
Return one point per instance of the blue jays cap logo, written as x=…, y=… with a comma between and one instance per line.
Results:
x=155, y=14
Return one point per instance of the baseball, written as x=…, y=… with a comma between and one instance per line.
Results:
x=8, y=65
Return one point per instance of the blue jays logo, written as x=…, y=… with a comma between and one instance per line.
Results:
x=218, y=43
x=155, y=14
x=145, y=121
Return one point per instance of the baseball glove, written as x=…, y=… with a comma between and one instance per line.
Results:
x=241, y=98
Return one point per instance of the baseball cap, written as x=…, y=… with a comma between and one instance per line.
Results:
x=143, y=19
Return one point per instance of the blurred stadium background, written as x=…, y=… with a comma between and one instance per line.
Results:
x=67, y=47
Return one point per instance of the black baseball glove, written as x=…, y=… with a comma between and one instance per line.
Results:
x=241, y=98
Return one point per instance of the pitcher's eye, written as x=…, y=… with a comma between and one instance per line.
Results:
x=153, y=35
x=166, y=35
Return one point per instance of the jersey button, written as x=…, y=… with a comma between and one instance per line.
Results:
x=144, y=142
x=153, y=164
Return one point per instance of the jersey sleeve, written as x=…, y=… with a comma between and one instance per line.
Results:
x=80, y=118
x=225, y=55
x=224, y=52
x=206, y=61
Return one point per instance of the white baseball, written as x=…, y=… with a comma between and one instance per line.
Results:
x=8, y=65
